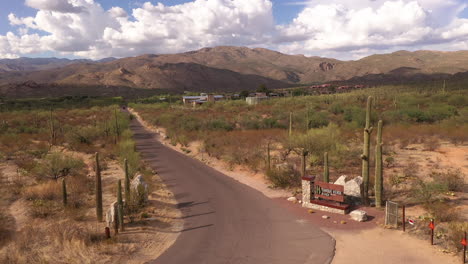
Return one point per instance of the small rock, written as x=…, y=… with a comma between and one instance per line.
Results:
x=325, y=217
x=292, y=199
x=342, y=222
x=358, y=215
x=311, y=211
x=335, y=222
x=300, y=201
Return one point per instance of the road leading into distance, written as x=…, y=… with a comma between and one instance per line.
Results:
x=227, y=222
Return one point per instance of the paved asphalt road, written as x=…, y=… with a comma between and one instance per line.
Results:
x=226, y=221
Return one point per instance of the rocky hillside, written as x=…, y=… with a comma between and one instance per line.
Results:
x=231, y=69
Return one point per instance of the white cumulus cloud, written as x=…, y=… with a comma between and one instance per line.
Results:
x=344, y=29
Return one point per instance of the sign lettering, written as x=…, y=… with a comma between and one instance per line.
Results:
x=329, y=191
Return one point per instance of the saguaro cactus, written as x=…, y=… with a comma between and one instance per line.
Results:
x=290, y=123
x=378, y=167
x=268, y=156
x=365, y=154
x=127, y=182
x=303, y=162
x=326, y=172
x=98, y=190
x=64, y=192
x=120, y=205
x=53, y=132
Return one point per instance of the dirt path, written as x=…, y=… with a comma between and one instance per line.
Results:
x=384, y=246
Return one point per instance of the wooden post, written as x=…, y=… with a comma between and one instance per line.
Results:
x=432, y=226
x=108, y=232
x=403, y=219
x=464, y=249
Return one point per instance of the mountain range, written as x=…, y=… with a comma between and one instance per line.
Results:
x=224, y=68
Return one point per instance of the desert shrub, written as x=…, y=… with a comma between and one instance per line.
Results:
x=431, y=143
x=219, y=124
x=454, y=180
x=82, y=135
x=389, y=161
x=50, y=190
x=316, y=141
x=411, y=169
x=43, y=208
x=455, y=234
x=56, y=165
x=337, y=108
x=127, y=150
x=442, y=212
x=283, y=177
x=458, y=100
x=318, y=119
x=428, y=192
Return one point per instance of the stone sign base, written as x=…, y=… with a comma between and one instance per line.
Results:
x=327, y=206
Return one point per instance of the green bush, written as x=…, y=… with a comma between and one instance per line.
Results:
x=127, y=150
x=337, y=108
x=57, y=164
x=282, y=178
x=318, y=119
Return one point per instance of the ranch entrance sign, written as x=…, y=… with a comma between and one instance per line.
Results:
x=323, y=196
x=328, y=191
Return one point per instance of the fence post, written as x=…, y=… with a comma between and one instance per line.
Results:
x=107, y=232
x=464, y=248
x=403, y=218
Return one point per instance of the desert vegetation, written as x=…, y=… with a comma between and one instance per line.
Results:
x=270, y=137
x=48, y=167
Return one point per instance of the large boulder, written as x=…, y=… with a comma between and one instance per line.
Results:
x=341, y=180
x=358, y=215
x=353, y=187
x=139, y=187
x=111, y=215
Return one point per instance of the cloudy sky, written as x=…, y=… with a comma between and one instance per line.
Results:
x=343, y=29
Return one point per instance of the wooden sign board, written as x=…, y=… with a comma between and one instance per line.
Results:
x=329, y=191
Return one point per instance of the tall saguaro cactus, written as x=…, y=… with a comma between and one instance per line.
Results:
x=365, y=154
x=64, y=192
x=127, y=182
x=326, y=172
x=378, y=167
x=304, y=154
x=98, y=190
x=120, y=205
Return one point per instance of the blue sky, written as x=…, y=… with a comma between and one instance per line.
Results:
x=344, y=29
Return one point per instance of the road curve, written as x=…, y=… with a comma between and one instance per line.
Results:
x=226, y=221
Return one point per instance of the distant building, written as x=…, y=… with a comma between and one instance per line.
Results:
x=253, y=100
x=202, y=98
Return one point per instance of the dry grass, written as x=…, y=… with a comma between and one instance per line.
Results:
x=50, y=190
x=63, y=242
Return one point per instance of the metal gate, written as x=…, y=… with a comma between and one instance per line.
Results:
x=391, y=214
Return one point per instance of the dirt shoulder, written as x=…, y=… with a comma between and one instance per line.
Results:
x=146, y=236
